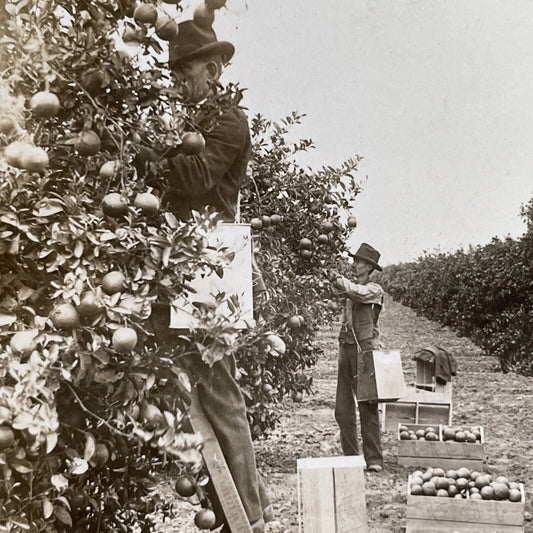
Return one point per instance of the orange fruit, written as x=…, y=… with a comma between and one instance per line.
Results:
x=145, y=14
x=267, y=388
x=185, y=487
x=297, y=396
x=266, y=221
x=14, y=151
x=352, y=222
x=453, y=491
x=215, y=4
x=416, y=480
x=487, y=493
x=147, y=202
x=404, y=435
x=276, y=343
x=476, y=496
x=275, y=219
x=293, y=322
x=114, y=205
x=515, y=495
x=439, y=472
x=460, y=436
x=110, y=169
x=65, y=316
x=192, y=143
x=87, y=143
x=501, y=491
x=328, y=226
x=166, y=28
x=89, y=306
x=416, y=490
x=442, y=483
x=203, y=16
x=35, y=159
x=482, y=481
x=256, y=223
x=452, y=474
x=44, y=104
x=323, y=239
x=7, y=437
x=101, y=455
x=501, y=479
x=7, y=125
x=305, y=244
x=205, y=519
x=448, y=434
x=463, y=472
x=23, y=342
x=442, y=493
x=114, y=282
x=124, y=340
x=429, y=488
x=151, y=415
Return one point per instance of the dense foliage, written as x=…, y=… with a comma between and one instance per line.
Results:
x=301, y=224
x=484, y=293
x=91, y=404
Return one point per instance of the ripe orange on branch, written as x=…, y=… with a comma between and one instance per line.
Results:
x=45, y=104
x=7, y=125
x=66, y=317
x=352, y=222
x=89, y=306
x=114, y=205
x=204, y=16
x=15, y=151
x=23, y=342
x=166, y=28
x=124, y=340
x=35, y=159
x=110, y=169
x=7, y=437
x=147, y=202
x=87, y=143
x=145, y=14
x=114, y=282
x=305, y=244
x=205, y=519
x=192, y=143
x=185, y=487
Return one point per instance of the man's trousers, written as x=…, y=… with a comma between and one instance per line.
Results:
x=346, y=415
x=224, y=406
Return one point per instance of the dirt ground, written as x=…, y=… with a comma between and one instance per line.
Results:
x=501, y=403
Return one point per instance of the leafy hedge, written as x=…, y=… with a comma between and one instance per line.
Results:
x=484, y=293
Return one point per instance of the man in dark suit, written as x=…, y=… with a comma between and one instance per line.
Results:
x=212, y=179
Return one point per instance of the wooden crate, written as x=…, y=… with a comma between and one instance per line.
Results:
x=380, y=376
x=444, y=454
x=331, y=495
x=403, y=412
x=450, y=515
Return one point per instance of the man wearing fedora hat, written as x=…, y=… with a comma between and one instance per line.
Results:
x=212, y=179
x=359, y=333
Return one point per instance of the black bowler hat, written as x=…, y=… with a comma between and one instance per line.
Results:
x=368, y=254
x=193, y=42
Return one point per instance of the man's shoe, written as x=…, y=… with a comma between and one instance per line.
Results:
x=374, y=468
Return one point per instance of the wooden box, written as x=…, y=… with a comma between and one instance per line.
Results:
x=444, y=454
x=449, y=515
x=331, y=495
x=408, y=412
x=380, y=376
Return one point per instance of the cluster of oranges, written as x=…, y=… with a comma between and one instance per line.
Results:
x=463, y=483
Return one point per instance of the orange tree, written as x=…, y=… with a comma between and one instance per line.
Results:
x=90, y=404
x=300, y=222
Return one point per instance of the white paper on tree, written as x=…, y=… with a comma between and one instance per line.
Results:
x=236, y=281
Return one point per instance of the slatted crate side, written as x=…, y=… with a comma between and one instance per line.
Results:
x=331, y=495
x=448, y=513
x=415, y=413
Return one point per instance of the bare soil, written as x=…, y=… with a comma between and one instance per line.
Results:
x=501, y=403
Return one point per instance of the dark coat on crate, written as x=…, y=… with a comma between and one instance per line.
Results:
x=445, y=365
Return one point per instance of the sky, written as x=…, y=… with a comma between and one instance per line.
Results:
x=436, y=95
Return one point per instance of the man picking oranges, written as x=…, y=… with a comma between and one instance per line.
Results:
x=207, y=171
x=359, y=333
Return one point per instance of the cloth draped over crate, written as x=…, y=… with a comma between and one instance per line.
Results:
x=445, y=365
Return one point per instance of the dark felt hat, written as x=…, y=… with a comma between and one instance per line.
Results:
x=193, y=42
x=368, y=254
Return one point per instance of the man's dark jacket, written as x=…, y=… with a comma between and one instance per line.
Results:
x=214, y=177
